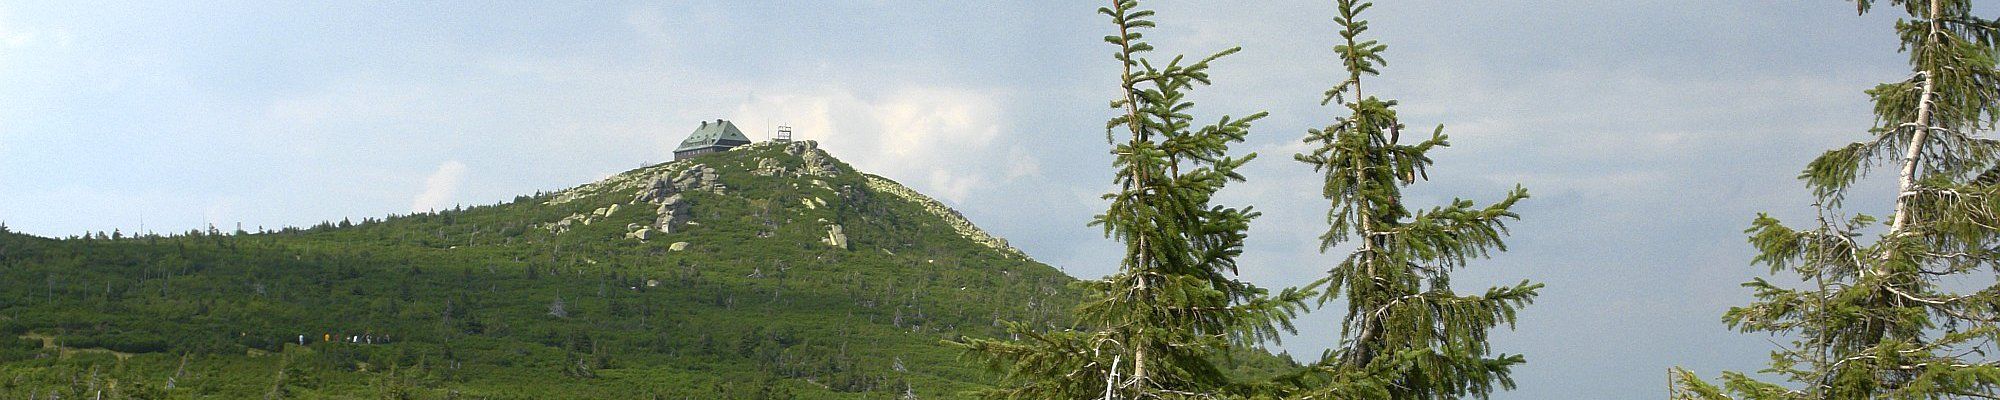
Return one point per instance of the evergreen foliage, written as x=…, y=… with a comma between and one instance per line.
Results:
x=1406, y=334
x=1156, y=329
x=1878, y=319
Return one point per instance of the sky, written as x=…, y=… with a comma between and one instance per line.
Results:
x=1649, y=132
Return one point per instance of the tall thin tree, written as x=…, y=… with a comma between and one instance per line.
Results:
x=1156, y=329
x=1406, y=330
x=1877, y=319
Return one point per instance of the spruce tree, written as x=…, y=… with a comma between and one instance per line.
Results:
x=1156, y=328
x=1876, y=319
x=1407, y=334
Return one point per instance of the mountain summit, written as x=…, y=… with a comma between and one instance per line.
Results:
x=802, y=179
x=770, y=270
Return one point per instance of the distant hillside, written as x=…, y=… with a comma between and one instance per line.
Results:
x=769, y=271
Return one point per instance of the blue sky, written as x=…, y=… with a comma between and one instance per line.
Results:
x=1648, y=131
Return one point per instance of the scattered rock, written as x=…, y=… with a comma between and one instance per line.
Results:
x=632, y=180
x=653, y=192
x=701, y=178
x=667, y=193
x=852, y=196
x=817, y=162
x=641, y=234
x=564, y=224
x=678, y=246
x=767, y=166
x=835, y=237
x=695, y=178
x=672, y=212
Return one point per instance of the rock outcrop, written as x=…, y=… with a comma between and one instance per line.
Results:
x=835, y=237
x=673, y=212
x=566, y=223
x=666, y=191
x=641, y=234
x=817, y=162
x=695, y=177
x=661, y=186
x=629, y=180
x=767, y=166
x=670, y=189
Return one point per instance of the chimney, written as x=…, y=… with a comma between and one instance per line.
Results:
x=718, y=121
x=704, y=124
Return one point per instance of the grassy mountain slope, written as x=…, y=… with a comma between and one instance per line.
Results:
x=527, y=300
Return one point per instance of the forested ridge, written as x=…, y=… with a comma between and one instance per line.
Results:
x=772, y=270
x=490, y=302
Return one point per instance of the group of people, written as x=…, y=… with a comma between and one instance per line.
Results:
x=366, y=338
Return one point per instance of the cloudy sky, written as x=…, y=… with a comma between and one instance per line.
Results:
x=1649, y=131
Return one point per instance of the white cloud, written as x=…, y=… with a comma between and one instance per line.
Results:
x=355, y=100
x=939, y=139
x=952, y=186
x=650, y=23
x=1020, y=164
x=440, y=188
x=12, y=37
x=18, y=40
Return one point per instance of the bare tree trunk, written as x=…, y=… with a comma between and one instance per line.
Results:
x=1139, y=344
x=1911, y=156
x=1138, y=135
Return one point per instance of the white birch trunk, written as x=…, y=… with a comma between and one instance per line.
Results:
x=1907, y=179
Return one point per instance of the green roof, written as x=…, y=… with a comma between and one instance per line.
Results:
x=714, y=133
